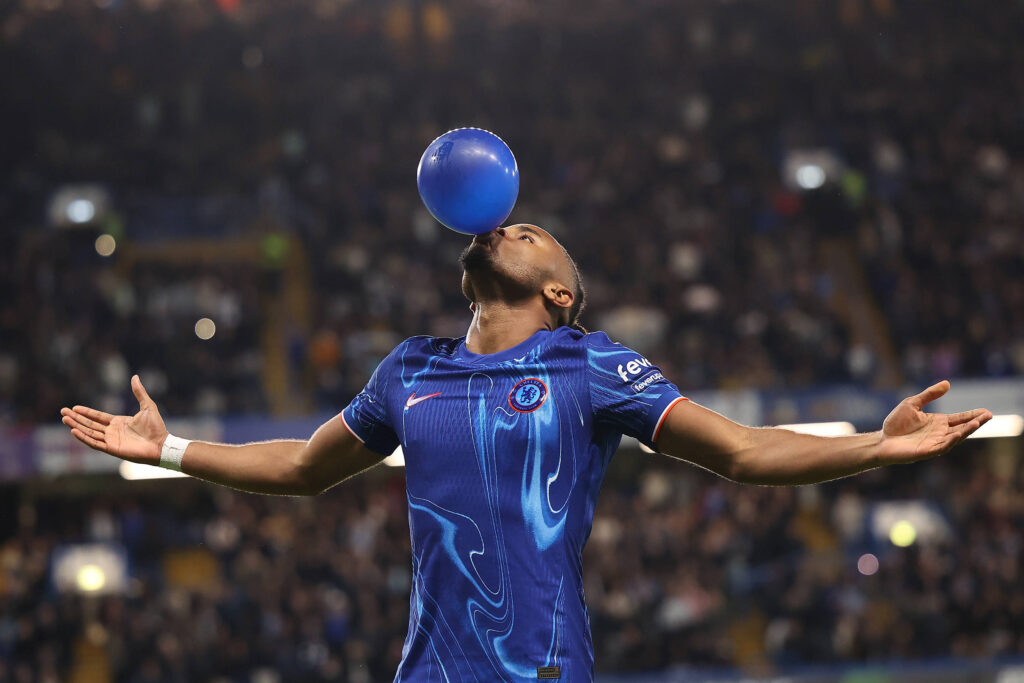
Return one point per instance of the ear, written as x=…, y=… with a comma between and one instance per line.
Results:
x=558, y=295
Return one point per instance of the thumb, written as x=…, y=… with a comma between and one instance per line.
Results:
x=140, y=393
x=930, y=394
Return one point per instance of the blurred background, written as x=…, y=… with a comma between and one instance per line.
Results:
x=801, y=211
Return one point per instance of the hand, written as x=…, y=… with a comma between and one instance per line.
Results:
x=138, y=438
x=910, y=434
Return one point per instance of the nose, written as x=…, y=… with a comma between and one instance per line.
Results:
x=500, y=231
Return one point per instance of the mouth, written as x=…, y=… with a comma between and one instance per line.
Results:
x=478, y=253
x=485, y=239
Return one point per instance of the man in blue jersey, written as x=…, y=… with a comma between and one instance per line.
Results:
x=507, y=433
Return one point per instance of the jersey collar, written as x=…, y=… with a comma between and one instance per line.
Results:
x=517, y=351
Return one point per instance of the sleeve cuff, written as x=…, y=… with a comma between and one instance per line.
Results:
x=666, y=408
x=381, y=444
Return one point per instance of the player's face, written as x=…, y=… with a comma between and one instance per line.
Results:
x=520, y=258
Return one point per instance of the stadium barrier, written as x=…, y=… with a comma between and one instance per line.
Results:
x=1008, y=670
x=50, y=450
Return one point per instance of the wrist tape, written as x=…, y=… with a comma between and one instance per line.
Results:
x=172, y=452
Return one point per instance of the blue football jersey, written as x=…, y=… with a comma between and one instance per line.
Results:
x=505, y=454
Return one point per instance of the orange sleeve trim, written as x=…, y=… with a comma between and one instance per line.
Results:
x=350, y=430
x=664, y=414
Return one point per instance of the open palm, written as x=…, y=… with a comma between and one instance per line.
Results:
x=137, y=438
x=912, y=434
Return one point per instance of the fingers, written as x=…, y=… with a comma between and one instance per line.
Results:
x=71, y=416
x=88, y=440
x=968, y=415
x=95, y=434
x=958, y=433
x=90, y=432
x=92, y=413
x=140, y=392
x=87, y=426
x=930, y=394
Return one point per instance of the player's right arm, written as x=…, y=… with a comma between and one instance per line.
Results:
x=283, y=467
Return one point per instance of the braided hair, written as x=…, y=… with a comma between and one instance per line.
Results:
x=579, y=295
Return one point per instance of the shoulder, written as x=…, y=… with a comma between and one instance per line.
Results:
x=586, y=343
x=599, y=341
x=564, y=343
x=423, y=347
x=568, y=336
x=597, y=352
x=427, y=344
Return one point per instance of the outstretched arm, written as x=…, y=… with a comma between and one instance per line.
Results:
x=780, y=457
x=284, y=467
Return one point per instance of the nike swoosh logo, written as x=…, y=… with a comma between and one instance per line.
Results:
x=413, y=400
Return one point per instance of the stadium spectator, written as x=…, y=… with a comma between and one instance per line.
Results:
x=682, y=568
x=657, y=150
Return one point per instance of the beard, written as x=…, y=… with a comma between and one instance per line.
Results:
x=476, y=258
x=483, y=271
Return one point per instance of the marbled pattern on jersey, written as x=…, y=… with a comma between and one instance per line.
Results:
x=501, y=501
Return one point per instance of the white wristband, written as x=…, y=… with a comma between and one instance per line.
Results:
x=173, y=451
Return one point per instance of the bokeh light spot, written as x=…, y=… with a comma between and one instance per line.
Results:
x=902, y=533
x=105, y=245
x=91, y=578
x=205, y=328
x=810, y=176
x=80, y=211
x=867, y=564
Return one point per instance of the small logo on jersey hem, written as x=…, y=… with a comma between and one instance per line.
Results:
x=549, y=672
x=527, y=395
x=413, y=399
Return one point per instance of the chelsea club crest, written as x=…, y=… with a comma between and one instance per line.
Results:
x=527, y=395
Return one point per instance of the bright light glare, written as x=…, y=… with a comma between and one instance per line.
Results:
x=902, y=534
x=1000, y=426
x=810, y=176
x=93, y=568
x=91, y=578
x=396, y=459
x=822, y=428
x=105, y=245
x=205, y=329
x=867, y=564
x=133, y=471
x=80, y=210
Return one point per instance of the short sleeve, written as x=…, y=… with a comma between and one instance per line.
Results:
x=627, y=392
x=367, y=415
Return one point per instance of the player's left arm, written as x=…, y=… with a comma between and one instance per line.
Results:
x=774, y=456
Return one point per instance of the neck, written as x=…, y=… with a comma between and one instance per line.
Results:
x=500, y=325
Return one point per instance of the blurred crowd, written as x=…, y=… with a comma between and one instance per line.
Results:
x=682, y=568
x=675, y=148
x=74, y=332
x=662, y=142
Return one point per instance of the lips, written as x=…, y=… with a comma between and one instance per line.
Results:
x=486, y=238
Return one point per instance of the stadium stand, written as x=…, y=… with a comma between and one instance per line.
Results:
x=259, y=159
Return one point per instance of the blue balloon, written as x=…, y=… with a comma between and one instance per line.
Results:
x=469, y=180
